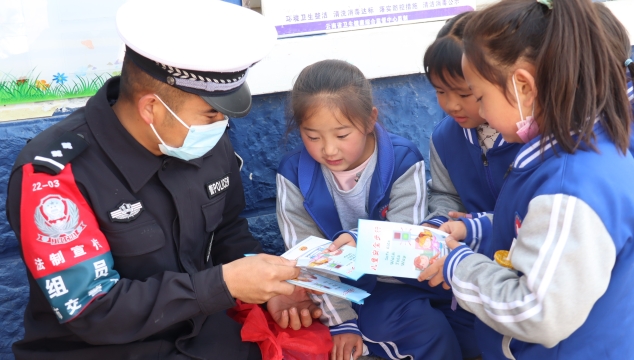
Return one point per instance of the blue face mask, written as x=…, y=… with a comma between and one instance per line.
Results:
x=199, y=140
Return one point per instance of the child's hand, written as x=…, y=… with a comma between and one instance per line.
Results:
x=452, y=243
x=344, y=344
x=433, y=273
x=456, y=229
x=343, y=239
x=458, y=214
x=295, y=310
x=430, y=226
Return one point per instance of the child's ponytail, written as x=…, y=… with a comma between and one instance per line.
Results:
x=616, y=35
x=577, y=76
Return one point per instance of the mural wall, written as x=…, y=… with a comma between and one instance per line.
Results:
x=54, y=49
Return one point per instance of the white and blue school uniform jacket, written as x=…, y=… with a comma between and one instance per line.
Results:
x=630, y=96
x=571, y=294
x=305, y=207
x=463, y=177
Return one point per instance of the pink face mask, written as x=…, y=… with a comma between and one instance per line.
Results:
x=527, y=129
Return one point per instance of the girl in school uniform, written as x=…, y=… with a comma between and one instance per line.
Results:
x=351, y=168
x=469, y=160
x=566, y=212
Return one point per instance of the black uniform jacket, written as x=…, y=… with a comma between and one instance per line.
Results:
x=171, y=299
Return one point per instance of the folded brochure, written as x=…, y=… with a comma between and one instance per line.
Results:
x=312, y=256
x=394, y=249
x=314, y=281
x=312, y=253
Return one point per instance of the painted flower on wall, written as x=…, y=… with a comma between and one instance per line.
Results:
x=60, y=78
x=42, y=85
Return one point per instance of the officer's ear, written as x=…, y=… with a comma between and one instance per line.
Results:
x=149, y=108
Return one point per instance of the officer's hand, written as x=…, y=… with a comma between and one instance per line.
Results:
x=296, y=310
x=256, y=279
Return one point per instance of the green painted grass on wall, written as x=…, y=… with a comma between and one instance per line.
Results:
x=33, y=89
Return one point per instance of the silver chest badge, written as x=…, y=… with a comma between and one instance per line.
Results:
x=126, y=212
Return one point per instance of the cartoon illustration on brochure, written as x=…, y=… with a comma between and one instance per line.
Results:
x=425, y=240
x=394, y=249
x=321, y=256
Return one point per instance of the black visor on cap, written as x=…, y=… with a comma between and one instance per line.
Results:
x=235, y=104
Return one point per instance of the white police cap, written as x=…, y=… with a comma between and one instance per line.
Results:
x=205, y=47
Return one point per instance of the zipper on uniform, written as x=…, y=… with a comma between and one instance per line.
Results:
x=485, y=161
x=508, y=171
x=211, y=241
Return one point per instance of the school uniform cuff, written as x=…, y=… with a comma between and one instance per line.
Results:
x=211, y=291
x=436, y=220
x=476, y=215
x=477, y=229
x=453, y=259
x=352, y=233
x=348, y=327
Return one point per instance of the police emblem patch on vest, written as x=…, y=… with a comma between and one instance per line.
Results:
x=126, y=211
x=216, y=187
x=58, y=219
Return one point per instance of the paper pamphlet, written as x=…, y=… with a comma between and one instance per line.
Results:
x=394, y=249
x=311, y=280
x=312, y=253
x=313, y=257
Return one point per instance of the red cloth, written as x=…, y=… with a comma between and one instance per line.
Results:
x=311, y=343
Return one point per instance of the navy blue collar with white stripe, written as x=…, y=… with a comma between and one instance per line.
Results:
x=532, y=153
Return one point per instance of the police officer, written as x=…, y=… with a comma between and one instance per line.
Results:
x=127, y=211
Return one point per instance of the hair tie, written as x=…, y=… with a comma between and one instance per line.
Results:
x=548, y=3
x=628, y=62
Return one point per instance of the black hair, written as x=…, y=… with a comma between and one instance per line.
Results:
x=135, y=81
x=444, y=55
x=336, y=84
x=576, y=74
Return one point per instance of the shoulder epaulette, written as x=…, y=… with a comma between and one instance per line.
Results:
x=60, y=152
